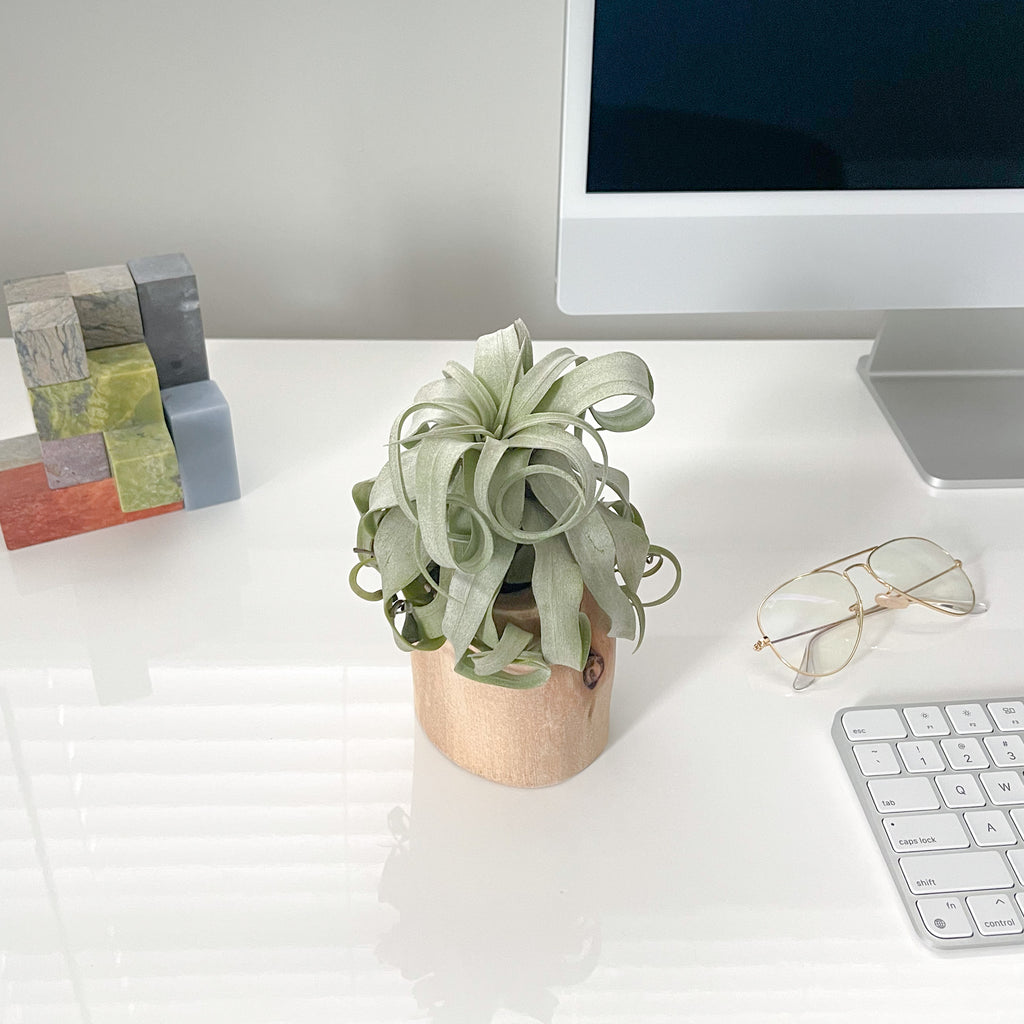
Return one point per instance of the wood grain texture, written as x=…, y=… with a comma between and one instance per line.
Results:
x=525, y=738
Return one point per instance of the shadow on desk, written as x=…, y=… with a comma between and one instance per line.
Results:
x=647, y=678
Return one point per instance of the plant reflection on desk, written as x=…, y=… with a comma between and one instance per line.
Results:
x=471, y=939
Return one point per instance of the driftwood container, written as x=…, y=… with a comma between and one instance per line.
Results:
x=525, y=738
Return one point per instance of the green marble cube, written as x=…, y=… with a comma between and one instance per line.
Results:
x=121, y=390
x=144, y=465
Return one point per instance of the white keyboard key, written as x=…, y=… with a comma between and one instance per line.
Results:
x=945, y=917
x=874, y=724
x=968, y=718
x=911, y=832
x=960, y=790
x=1017, y=813
x=990, y=828
x=1008, y=715
x=921, y=756
x=903, y=794
x=955, y=872
x=964, y=755
x=1003, y=787
x=1006, y=751
x=955, y=845
x=926, y=721
x=876, y=759
x=996, y=914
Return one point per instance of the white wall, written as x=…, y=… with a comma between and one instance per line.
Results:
x=333, y=168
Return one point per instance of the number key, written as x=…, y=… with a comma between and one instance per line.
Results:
x=921, y=756
x=1006, y=751
x=964, y=755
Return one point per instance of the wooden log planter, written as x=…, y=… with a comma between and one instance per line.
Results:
x=525, y=738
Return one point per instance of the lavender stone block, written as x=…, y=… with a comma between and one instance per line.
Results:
x=171, y=320
x=199, y=422
x=33, y=289
x=49, y=341
x=107, y=305
x=75, y=460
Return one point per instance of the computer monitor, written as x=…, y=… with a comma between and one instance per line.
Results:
x=724, y=155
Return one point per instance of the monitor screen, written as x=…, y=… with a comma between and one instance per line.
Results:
x=731, y=95
x=733, y=156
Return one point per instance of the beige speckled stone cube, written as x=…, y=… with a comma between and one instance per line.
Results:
x=34, y=289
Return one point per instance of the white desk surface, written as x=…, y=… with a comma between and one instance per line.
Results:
x=216, y=806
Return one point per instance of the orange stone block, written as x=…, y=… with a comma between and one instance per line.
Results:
x=30, y=513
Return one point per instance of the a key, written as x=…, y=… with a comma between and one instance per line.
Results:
x=990, y=828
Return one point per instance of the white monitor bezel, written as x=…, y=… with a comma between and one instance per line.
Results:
x=883, y=249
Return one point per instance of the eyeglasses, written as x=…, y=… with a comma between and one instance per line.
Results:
x=814, y=622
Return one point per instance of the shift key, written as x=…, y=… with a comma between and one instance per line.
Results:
x=953, y=872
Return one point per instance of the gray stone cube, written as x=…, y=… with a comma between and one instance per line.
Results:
x=20, y=451
x=107, y=305
x=171, y=320
x=49, y=341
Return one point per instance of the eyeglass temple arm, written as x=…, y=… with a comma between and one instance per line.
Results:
x=802, y=680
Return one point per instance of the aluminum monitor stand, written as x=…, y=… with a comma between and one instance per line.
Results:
x=951, y=384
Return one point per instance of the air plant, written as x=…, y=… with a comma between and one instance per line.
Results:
x=489, y=487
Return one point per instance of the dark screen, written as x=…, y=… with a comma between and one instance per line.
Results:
x=727, y=95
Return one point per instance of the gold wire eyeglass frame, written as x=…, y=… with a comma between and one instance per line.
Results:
x=889, y=599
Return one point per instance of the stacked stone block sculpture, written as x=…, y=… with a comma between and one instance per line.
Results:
x=128, y=422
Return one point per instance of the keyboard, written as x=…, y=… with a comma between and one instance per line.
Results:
x=942, y=785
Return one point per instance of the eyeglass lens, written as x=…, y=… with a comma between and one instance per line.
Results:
x=820, y=611
x=924, y=571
